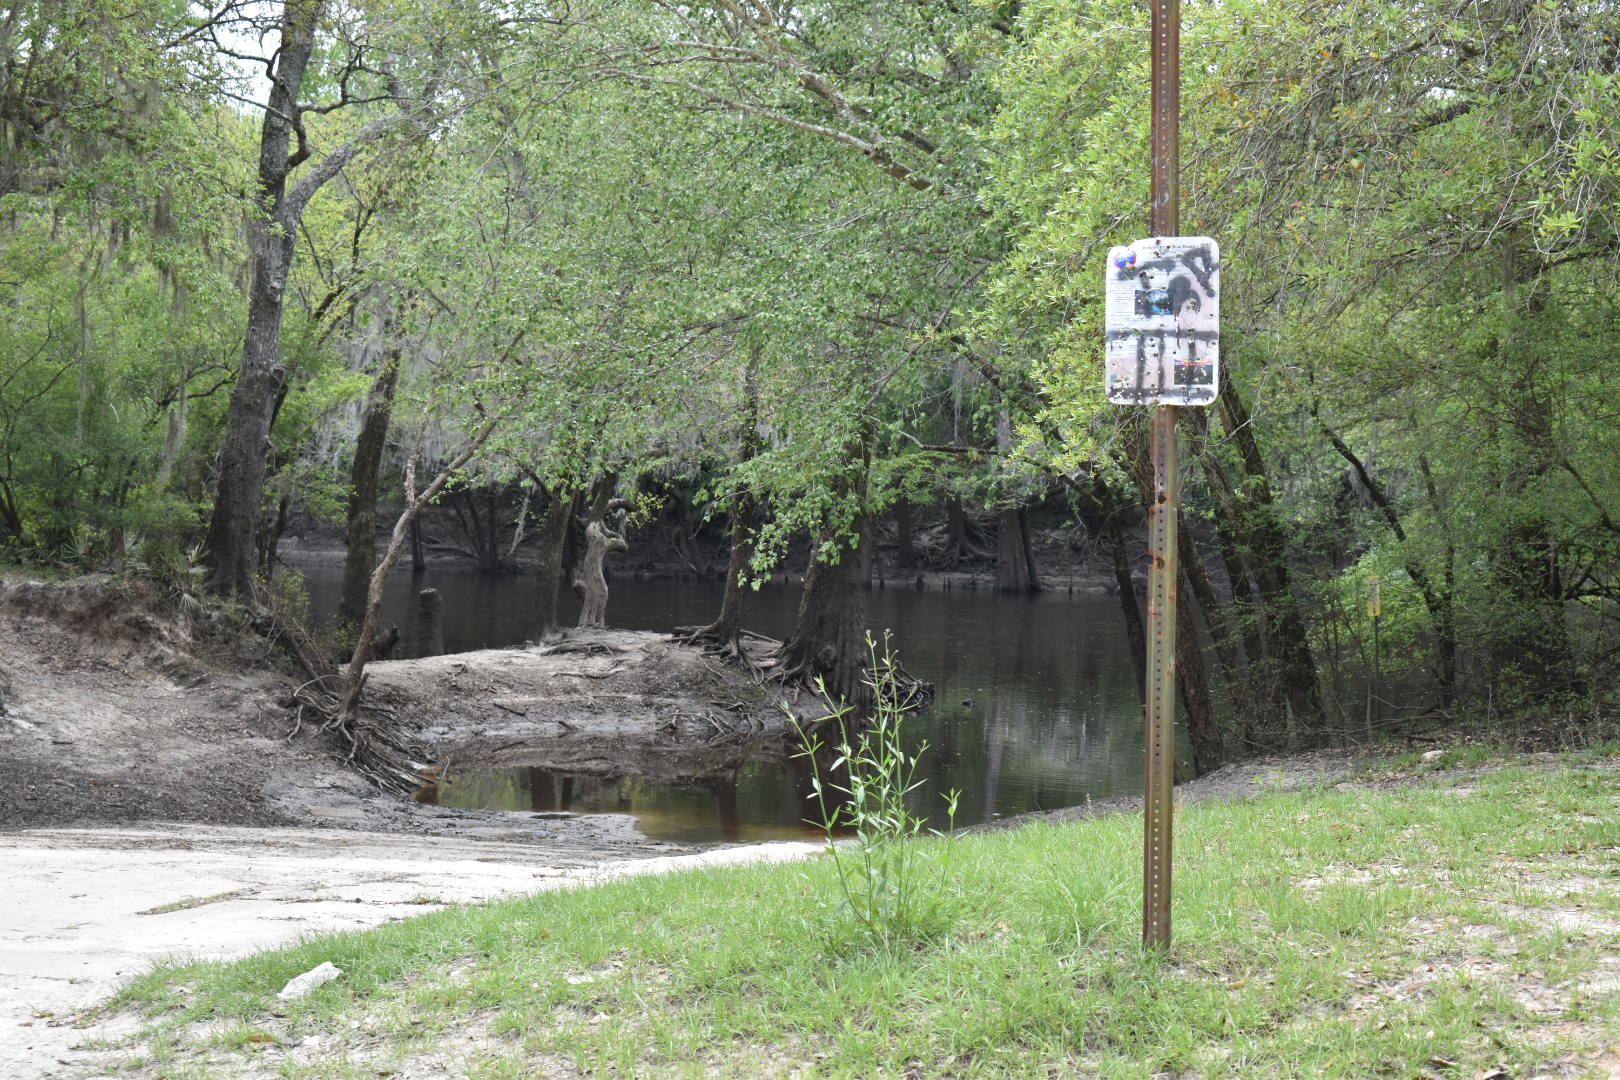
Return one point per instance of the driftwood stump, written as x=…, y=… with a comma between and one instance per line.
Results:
x=431, y=606
x=591, y=580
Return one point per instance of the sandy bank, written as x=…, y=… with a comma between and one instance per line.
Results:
x=87, y=909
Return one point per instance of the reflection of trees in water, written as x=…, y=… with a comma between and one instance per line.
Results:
x=542, y=790
x=992, y=771
x=547, y=790
x=725, y=801
x=550, y=790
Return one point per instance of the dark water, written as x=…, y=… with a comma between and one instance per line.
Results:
x=1035, y=706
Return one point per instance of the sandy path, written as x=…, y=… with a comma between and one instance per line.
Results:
x=83, y=910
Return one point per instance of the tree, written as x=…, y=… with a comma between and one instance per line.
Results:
x=365, y=75
x=116, y=299
x=825, y=88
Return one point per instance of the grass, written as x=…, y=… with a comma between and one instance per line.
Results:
x=1440, y=931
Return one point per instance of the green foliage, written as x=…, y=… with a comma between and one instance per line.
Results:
x=864, y=244
x=176, y=572
x=1418, y=221
x=894, y=887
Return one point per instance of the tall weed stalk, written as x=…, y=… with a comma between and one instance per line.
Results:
x=892, y=886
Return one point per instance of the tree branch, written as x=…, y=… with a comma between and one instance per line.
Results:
x=871, y=150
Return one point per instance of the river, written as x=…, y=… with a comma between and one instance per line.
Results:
x=1035, y=706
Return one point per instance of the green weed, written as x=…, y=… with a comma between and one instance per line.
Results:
x=892, y=886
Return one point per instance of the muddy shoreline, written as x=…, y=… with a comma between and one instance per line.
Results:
x=119, y=711
x=162, y=796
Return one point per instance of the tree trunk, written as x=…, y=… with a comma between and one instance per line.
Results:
x=1203, y=728
x=905, y=547
x=272, y=539
x=233, y=531
x=555, y=524
x=1531, y=638
x=10, y=517
x=1233, y=666
x=175, y=435
x=1251, y=696
x=1445, y=624
x=478, y=516
x=726, y=629
x=1015, y=555
x=354, y=678
x=955, y=532
x=363, y=482
x=829, y=637
x=681, y=532
x=1012, y=567
x=570, y=547
x=1030, y=569
x=867, y=548
x=376, y=748
x=1263, y=539
x=1110, y=507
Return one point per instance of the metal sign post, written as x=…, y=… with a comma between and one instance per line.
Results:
x=1161, y=318
x=1161, y=688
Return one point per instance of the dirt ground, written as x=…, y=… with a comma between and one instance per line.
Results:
x=1239, y=780
x=598, y=701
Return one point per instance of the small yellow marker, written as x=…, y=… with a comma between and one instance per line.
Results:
x=1375, y=600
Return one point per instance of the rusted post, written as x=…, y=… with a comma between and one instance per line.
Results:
x=1161, y=696
x=1159, y=807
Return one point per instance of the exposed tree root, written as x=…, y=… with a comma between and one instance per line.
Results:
x=730, y=647
x=801, y=673
x=583, y=646
x=370, y=739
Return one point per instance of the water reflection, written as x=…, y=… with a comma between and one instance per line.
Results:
x=747, y=808
x=1035, y=702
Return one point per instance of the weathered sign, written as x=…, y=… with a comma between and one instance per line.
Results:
x=1162, y=320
